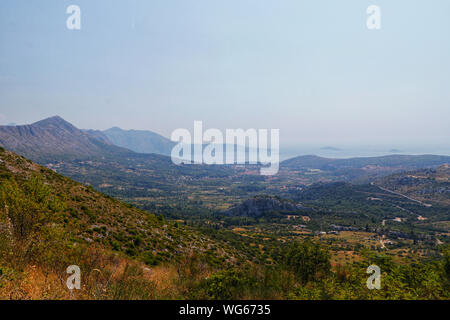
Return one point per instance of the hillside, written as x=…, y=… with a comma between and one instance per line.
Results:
x=430, y=185
x=49, y=222
x=89, y=217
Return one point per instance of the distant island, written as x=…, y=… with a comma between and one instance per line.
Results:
x=329, y=148
x=395, y=150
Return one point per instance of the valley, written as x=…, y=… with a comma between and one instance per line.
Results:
x=186, y=228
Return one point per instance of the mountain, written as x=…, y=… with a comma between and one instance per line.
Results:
x=54, y=139
x=140, y=141
x=99, y=135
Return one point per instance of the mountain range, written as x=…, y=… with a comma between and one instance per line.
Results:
x=92, y=157
x=54, y=139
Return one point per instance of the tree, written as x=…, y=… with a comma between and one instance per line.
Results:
x=307, y=260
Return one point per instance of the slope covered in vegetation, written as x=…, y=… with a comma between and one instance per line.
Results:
x=49, y=222
x=430, y=185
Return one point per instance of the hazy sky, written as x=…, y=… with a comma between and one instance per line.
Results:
x=310, y=68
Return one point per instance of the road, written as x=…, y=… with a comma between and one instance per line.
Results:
x=402, y=195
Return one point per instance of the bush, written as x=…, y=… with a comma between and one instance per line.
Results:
x=308, y=261
x=228, y=284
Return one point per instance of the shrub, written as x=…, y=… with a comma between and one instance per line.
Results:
x=308, y=261
x=228, y=284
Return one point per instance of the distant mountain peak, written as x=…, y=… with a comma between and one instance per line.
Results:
x=55, y=121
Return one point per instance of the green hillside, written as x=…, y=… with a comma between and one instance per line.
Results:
x=51, y=222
